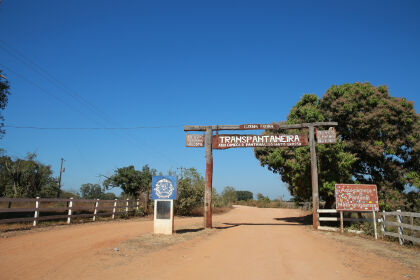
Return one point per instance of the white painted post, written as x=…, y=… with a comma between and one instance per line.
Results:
x=383, y=228
x=126, y=207
x=70, y=210
x=374, y=224
x=400, y=229
x=138, y=204
x=95, y=210
x=113, y=209
x=36, y=214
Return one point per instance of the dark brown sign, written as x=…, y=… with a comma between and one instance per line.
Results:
x=226, y=141
x=352, y=197
x=256, y=126
x=326, y=136
x=194, y=140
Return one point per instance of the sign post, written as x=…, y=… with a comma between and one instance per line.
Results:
x=226, y=141
x=164, y=193
x=357, y=198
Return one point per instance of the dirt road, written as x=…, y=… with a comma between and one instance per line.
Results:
x=247, y=243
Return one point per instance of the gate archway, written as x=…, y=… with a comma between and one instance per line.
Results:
x=226, y=141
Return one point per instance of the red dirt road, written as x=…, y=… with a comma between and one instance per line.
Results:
x=248, y=243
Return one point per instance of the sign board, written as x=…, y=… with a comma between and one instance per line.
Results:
x=225, y=141
x=256, y=126
x=164, y=187
x=194, y=140
x=326, y=136
x=352, y=197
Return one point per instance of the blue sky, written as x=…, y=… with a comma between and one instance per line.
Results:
x=176, y=63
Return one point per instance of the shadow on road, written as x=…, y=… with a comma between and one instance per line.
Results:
x=186, y=230
x=304, y=220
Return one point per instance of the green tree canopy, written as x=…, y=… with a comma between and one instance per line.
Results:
x=229, y=195
x=190, y=192
x=133, y=182
x=378, y=142
x=94, y=191
x=244, y=195
x=26, y=178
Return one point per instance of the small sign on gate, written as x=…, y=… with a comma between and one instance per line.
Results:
x=194, y=140
x=326, y=136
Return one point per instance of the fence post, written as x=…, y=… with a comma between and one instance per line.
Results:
x=126, y=207
x=374, y=224
x=70, y=211
x=36, y=214
x=138, y=204
x=383, y=229
x=96, y=209
x=113, y=209
x=341, y=222
x=400, y=229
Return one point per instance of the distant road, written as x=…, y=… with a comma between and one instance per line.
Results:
x=247, y=243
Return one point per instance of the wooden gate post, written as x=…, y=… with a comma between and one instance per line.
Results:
x=314, y=175
x=209, y=178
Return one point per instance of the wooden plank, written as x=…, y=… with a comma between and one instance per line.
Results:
x=5, y=199
x=209, y=179
x=331, y=219
x=17, y=220
x=327, y=211
x=238, y=127
x=328, y=228
x=412, y=227
x=226, y=141
x=314, y=179
x=406, y=237
x=405, y=214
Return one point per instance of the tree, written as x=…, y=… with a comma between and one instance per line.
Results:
x=91, y=191
x=133, y=182
x=244, y=195
x=229, y=195
x=378, y=142
x=190, y=192
x=4, y=93
x=126, y=178
x=94, y=191
x=26, y=178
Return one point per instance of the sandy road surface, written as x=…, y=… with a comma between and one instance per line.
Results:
x=247, y=243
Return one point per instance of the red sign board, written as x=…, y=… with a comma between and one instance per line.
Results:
x=194, y=140
x=352, y=197
x=256, y=126
x=225, y=141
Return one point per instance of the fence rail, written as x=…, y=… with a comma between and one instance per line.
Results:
x=400, y=226
x=119, y=206
x=398, y=223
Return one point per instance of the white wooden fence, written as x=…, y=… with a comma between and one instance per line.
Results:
x=97, y=208
x=396, y=222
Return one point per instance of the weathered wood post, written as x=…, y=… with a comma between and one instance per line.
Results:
x=113, y=209
x=70, y=210
x=209, y=178
x=36, y=214
x=314, y=175
x=341, y=222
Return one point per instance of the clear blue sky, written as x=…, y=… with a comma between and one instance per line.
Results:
x=159, y=63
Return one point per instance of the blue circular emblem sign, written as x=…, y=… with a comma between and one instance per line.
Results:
x=164, y=188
